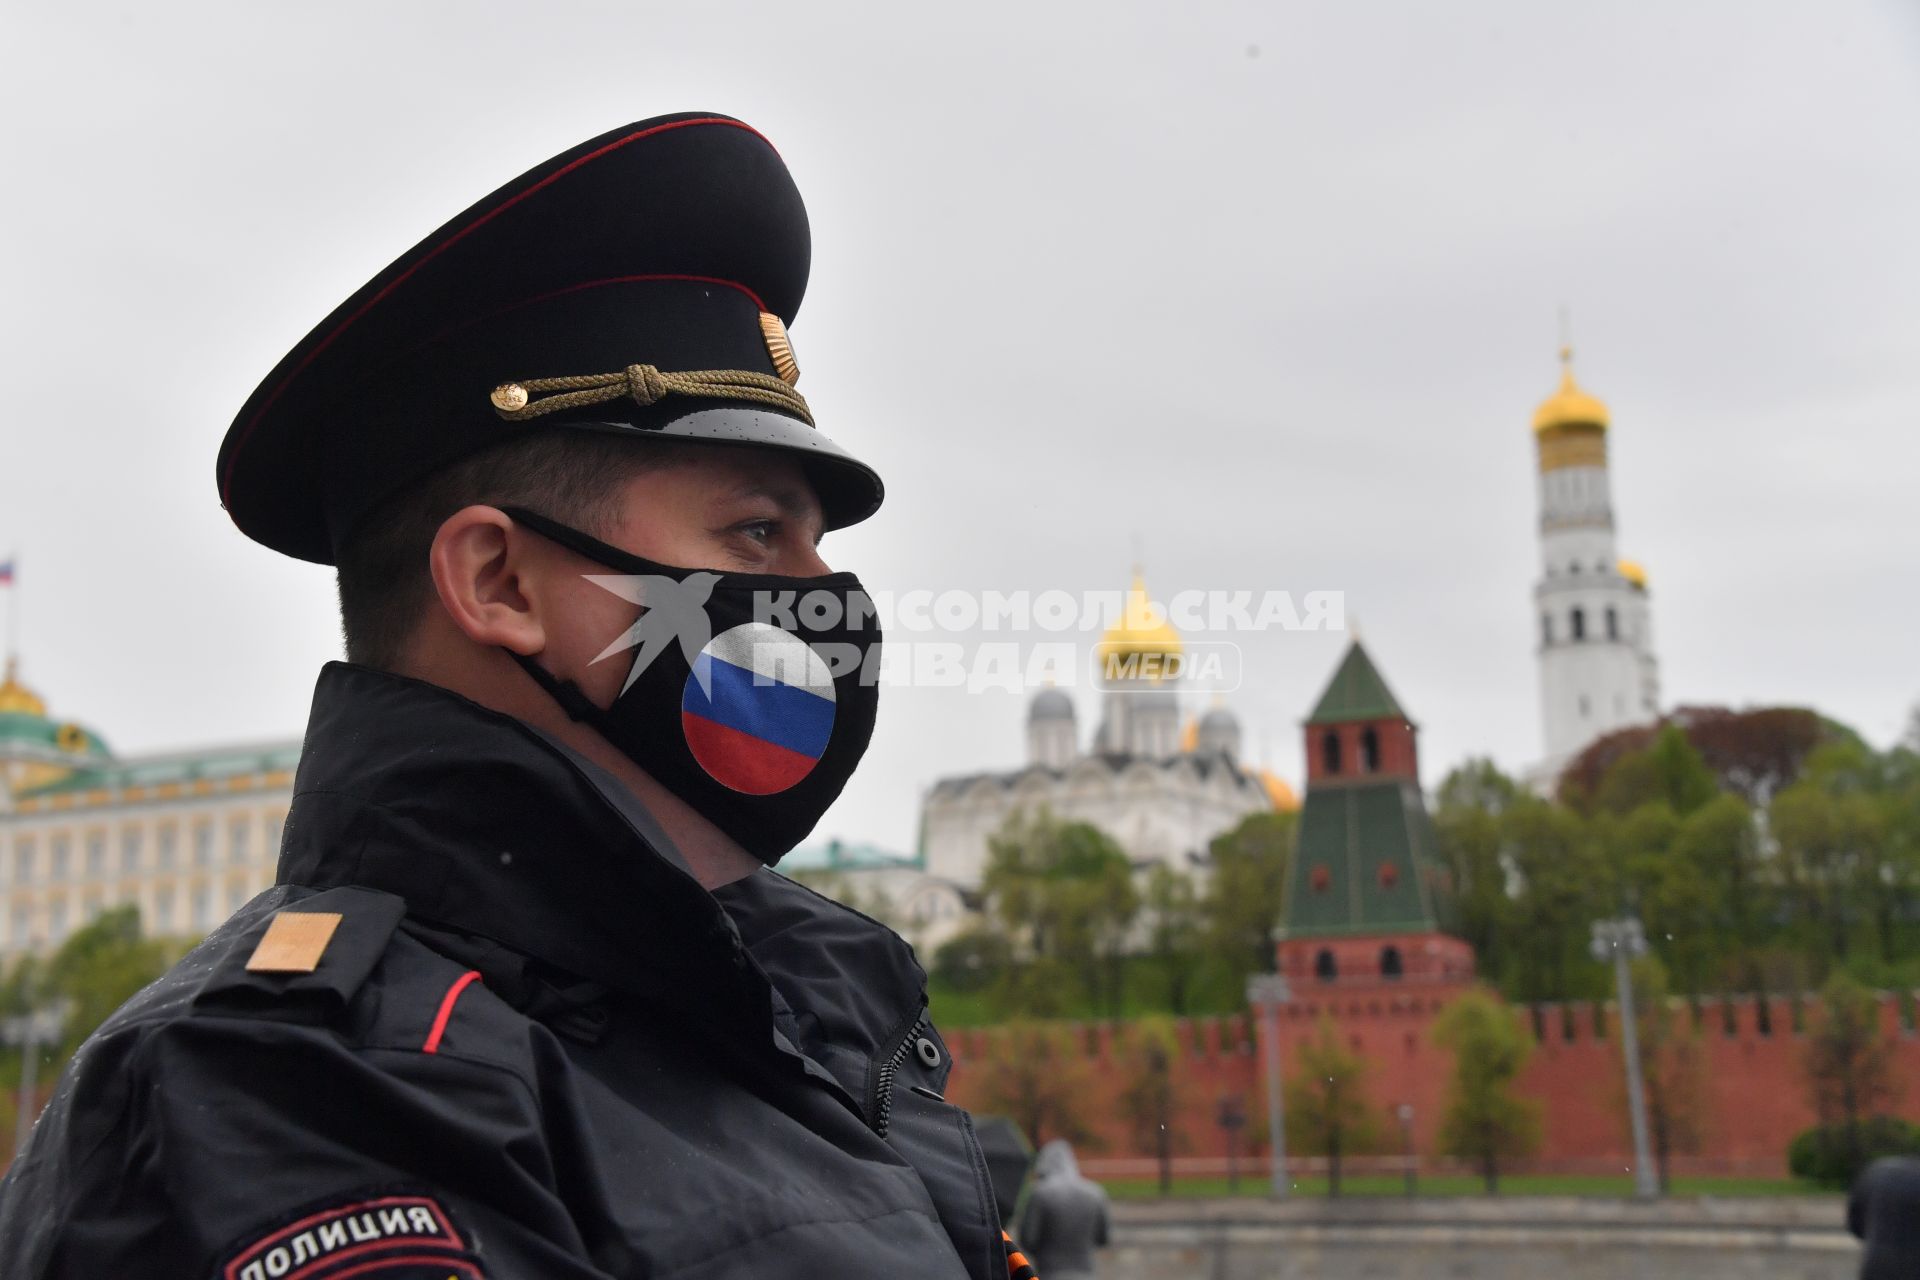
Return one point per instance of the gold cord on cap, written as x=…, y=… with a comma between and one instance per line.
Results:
x=514, y=401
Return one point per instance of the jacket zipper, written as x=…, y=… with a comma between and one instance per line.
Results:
x=883, y=1083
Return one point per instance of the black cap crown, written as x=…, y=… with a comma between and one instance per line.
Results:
x=678, y=243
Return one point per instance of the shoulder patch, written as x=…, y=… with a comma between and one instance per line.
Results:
x=390, y=1234
x=294, y=942
x=315, y=952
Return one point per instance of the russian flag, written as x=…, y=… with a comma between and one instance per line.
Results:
x=758, y=708
x=6, y=573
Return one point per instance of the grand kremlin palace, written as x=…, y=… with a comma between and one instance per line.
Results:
x=186, y=837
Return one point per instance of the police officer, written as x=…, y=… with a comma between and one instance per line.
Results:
x=527, y=1000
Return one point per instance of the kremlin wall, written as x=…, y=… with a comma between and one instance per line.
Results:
x=1752, y=1101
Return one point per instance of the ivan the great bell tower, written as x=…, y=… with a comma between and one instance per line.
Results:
x=1595, y=642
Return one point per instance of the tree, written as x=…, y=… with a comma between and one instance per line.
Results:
x=1673, y=1068
x=1174, y=933
x=1066, y=891
x=1484, y=1121
x=1036, y=1075
x=1467, y=824
x=1564, y=884
x=1153, y=1090
x=1828, y=840
x=973, y=960
x=1668, y=771
x=1247, y=891
x=1327, y=1112
x=1849, y=1064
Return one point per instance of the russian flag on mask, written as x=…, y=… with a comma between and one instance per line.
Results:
x=758, y=708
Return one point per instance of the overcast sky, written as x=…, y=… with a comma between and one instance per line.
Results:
x=1263, y=294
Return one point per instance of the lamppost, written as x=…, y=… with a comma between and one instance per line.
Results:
x=1267, y=992
x=1405, y=1112
x=30, y=1031
x=1621, y=941
x=1232, y=1117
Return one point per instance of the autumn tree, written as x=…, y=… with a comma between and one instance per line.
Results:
x=1153, y=1091
x=1327, y=1111
x=1485, y=1121
x=1035, y=1074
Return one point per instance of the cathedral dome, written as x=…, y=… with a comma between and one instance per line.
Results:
x=1050, y=704
x=1634, y=572
x=16, y=698
x=1142, y=628
x=1279, y=794
x=1570, y=406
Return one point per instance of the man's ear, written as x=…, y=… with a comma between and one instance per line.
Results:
x=479, y=562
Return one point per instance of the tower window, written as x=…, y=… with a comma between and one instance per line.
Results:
x=1574, y=567
x=1577, y=624
x=1546, y=628
x=1330, y=751
x=1390, y=962
x=1613, y=623
x=1325, y=967
x=1369, y=751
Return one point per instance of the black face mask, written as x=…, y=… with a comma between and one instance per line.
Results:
x=750, y=696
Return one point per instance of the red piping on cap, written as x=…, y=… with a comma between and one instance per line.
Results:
x=246, y=432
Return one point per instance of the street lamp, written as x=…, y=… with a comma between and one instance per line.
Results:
x=30, y=1031
x=1232, y=1117
x=1405, y=1112
x=1267, y=992
x=1621, y=941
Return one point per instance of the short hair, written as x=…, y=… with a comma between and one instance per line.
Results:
x=382, y=569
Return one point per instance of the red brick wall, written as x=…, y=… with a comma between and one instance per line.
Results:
x=1754, y=1095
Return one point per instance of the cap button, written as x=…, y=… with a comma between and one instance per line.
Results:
x=509, y=397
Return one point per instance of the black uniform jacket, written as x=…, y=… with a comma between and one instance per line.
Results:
x=534, y=1046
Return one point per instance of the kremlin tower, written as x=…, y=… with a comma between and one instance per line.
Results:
x=1595, y=645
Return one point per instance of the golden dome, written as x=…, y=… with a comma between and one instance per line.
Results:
x=1635, y=572
x=16, y=698
x=1570, y=406
x=1142, y=628
x=1190, y=735
x=1279, y=794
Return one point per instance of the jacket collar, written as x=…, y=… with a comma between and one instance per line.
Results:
x=486, y=826
x=489, y=828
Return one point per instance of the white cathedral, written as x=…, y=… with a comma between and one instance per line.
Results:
x=1597, y=668
x=1161, y=787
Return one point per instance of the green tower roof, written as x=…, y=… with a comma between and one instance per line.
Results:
x=1365, y=863
x=1356, y=693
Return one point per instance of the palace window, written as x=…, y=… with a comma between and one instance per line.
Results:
x=23, y=859
x=169, y=840
x=1546, y=628
x=239, y=832
x=1330, y=751
x=61, y=847
x=1577, y=624
x=97, y=853
x=130, y=850
x=1390, y=963
x=203, y=844
x=1613, y=623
